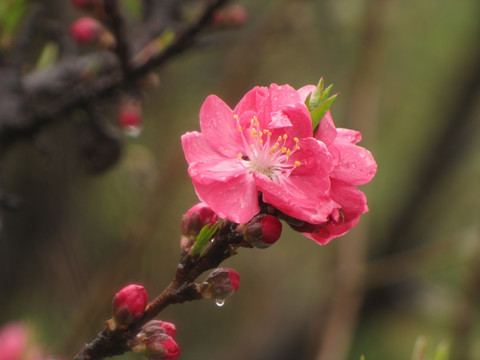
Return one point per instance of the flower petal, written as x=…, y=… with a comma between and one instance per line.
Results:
x=197, y=148
x=235, y=199
x=353, y=204
x=306, y=90
x=355, y=165
x=219, y=126
x=326, y=132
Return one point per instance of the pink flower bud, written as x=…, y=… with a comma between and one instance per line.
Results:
x=13, y=341
x=161, y=347
x=262, y=231
x=86, y=29
x=155, y=327
x=220, y=284
x=130, y=116
x=196, y=218
x=233, y=15
x=129, y=304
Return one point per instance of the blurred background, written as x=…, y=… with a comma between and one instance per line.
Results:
x=408, y=73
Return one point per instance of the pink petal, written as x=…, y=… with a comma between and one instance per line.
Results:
x=300, y=120
x=326, y=130
x=353, y=204
x=304, y=91
x=295, y=198
x=219, y=126
x=281, y=96
x=252, y=101
x=220, y=170
x=355, y=165
x=235, y=199
x=197, y=148
x=348, y=136
x=304, y=194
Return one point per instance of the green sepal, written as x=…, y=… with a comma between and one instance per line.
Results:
x=203, y=238
x=318, y=102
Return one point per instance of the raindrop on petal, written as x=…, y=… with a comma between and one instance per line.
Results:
x=220, y=302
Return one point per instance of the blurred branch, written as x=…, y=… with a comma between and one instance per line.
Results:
x=349, y=291
x=79, y=81
x=455, y=138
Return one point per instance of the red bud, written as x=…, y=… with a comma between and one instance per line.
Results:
x=220, y=284
x=86, y=29
x=196, y=218
x=129, y=304
x=262, y=231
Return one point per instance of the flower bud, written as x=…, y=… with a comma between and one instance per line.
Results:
x=155, y=340
x=262, y=231
x=86, y=29
x=129, y=304
x=161, y=347
x=196, y=218
x=155, y=327
x=130, y=117
x=220, y=284
x=233, y=15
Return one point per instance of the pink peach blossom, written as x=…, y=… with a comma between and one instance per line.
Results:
x=264, y=145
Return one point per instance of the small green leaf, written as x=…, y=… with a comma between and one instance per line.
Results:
x=48, y=56
x=318, y=102
x=442, y=351
x=318, y=113
x=203, y=238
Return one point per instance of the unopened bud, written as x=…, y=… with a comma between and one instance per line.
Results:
x=220, y=284
x=86, y=29
x=155, y=327
x=155, y=340
x=129, y=304
x=130, y=117
x=262, y=231
x=161, y=347
x=196, y=218
x=233, y=15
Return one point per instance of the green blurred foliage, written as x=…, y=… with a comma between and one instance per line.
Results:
x=77, y=238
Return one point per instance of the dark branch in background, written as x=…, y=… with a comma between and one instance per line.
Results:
x=117, y=24
x=55, y=92
x=451, y=144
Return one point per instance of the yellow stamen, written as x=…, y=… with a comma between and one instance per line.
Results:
x=288, y=152
x=235, y=117
x=239, y=155
x=285, y=136
x=296, y=139
x=297, y=163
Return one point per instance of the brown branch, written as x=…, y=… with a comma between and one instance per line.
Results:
x=181, y=289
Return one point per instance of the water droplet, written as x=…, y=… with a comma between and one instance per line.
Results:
x=220, y=302
x=132, y=131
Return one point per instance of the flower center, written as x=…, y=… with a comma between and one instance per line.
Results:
x=265, y=155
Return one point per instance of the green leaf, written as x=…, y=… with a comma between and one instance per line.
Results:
x=442, y=351
x=318, y=102
x=48, y=56
x=203, y=238
x=318, y=113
